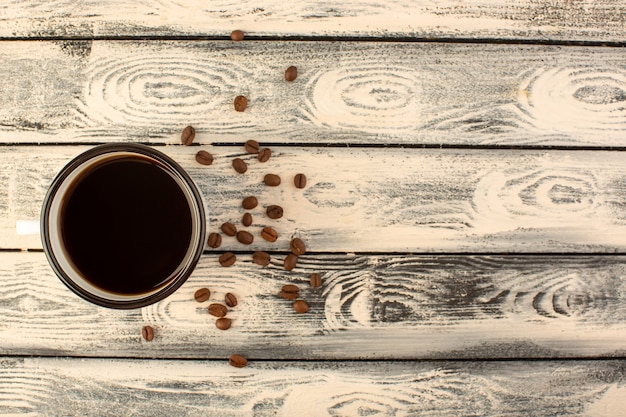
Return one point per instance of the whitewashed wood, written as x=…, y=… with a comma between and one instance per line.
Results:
x=377, y=306
x=346, y=92
x=382, y=200
x=88, y=387
x=596, y=20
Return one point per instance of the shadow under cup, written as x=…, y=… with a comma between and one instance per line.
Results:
x=123, y=225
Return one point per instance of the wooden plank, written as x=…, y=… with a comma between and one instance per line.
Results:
x=381, y=200
x=369, y=307
x=598, y=20
x=346, y=92
x=64, y=386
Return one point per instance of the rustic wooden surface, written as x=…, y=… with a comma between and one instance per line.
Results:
x=466, y=205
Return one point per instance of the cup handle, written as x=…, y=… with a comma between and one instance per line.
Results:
x=27, y=227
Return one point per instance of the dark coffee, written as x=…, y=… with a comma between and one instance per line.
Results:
x=127, y=225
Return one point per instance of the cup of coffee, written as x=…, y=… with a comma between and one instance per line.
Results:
x=123, y=225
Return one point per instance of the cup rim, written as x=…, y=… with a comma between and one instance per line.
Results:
x=134, y=148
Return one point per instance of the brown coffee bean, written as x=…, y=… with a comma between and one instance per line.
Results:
x=264, y=155
x=290, y=292
x=316, y=280
x=297, y=246
x=301, y=306
x=147, y=332
x=290, y=262
x=241, y=103
x=269, y=234
x=274, y=212
x=237, y=361
x=291, y=73
x=230, y=299
x=261, y=258
x=204, y=158
x=237, y=35
x=202, y=295
x=188, y=135
x=227, y=259
x=271, y=180
x=249, y=203
x=239, y=165
x=246, y=220
x=252, y=146
x=299, y=180
x=229, y=229
x=217, y=310
x=215, y=240
x=223, y=323
x=245, y=237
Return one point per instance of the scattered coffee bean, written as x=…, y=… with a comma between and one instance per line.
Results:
x=271, y=180
x=297, y=246
x=290, y=262
x=147, y=332
x=230, y=299
x=291, y=73
x=301, y=306
x=215, y=240
x=269, y=234
x=223, y=323
x=237, y=361
x=217, y=310
x=246, y=220
x=239, y=165
x=274, y=212
x=240, y=102
x=227, y=259
x=290, y=292
x=188, y=135
x=264, y=155
x=202, y=295
x=261, y=258
x=299, y=180
x=245, y=237
x=204, y=158
x=237, y=35
x=252, y=146
x=249, y=203
x=316, y=280
x=229, y=229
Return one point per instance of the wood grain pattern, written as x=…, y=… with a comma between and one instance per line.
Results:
x=377, y=306
x=346, y=92
x=597, y=20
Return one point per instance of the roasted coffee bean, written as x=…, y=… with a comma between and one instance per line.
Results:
x=291, y=73
x=290, y=261
x=229, y=229
x=274, y=212
x=261, y=258
x=269, y=234
x=271, y=180
x=223, y=323
x=301, y=306
x=252, y=146
x=316, y=280
x=237, y=361
x=227, y=259
x=204, y=158
x=215, y=240
x=245, y=237
x=249, y=203
x=217, y=310
x=246, y=220
x=147, y=332
x=264, y=155
x=240, y=102
x=239, y=165
x=299, y=180
x=188, y=135
x=237, y=35
x=202, y=295
x=230, y=299
x=290, y=292
x=297, y=246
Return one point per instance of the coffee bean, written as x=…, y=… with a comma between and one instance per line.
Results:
x=239, y=165
x=217, y=310
x=299, y=180
x=237, y=35
x=269, y=234
x=202, y=295
x=240, y=102
x=271, y=180
x=289, y=292
x=147, y=332
x=274, y=212
x=316, y=280
x=261, y=258
x=227, y=259
x=249, y=203
x=301, y=306
x=230, y=299
x=291, y=73
x=246, y=220
x=215, y=240
x=252, y=146
x=245, y=237
x=188, y=135
x=264, y=155
x=229, y=229
x=223, y=323
x=297, y=246
x=290, y=262
x=237, y=361
x=204, y=158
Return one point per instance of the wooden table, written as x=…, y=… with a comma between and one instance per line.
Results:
x=466, y=205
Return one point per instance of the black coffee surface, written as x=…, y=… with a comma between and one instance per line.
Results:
x=127, y=225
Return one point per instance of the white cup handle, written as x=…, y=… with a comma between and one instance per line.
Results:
x=27, y=227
